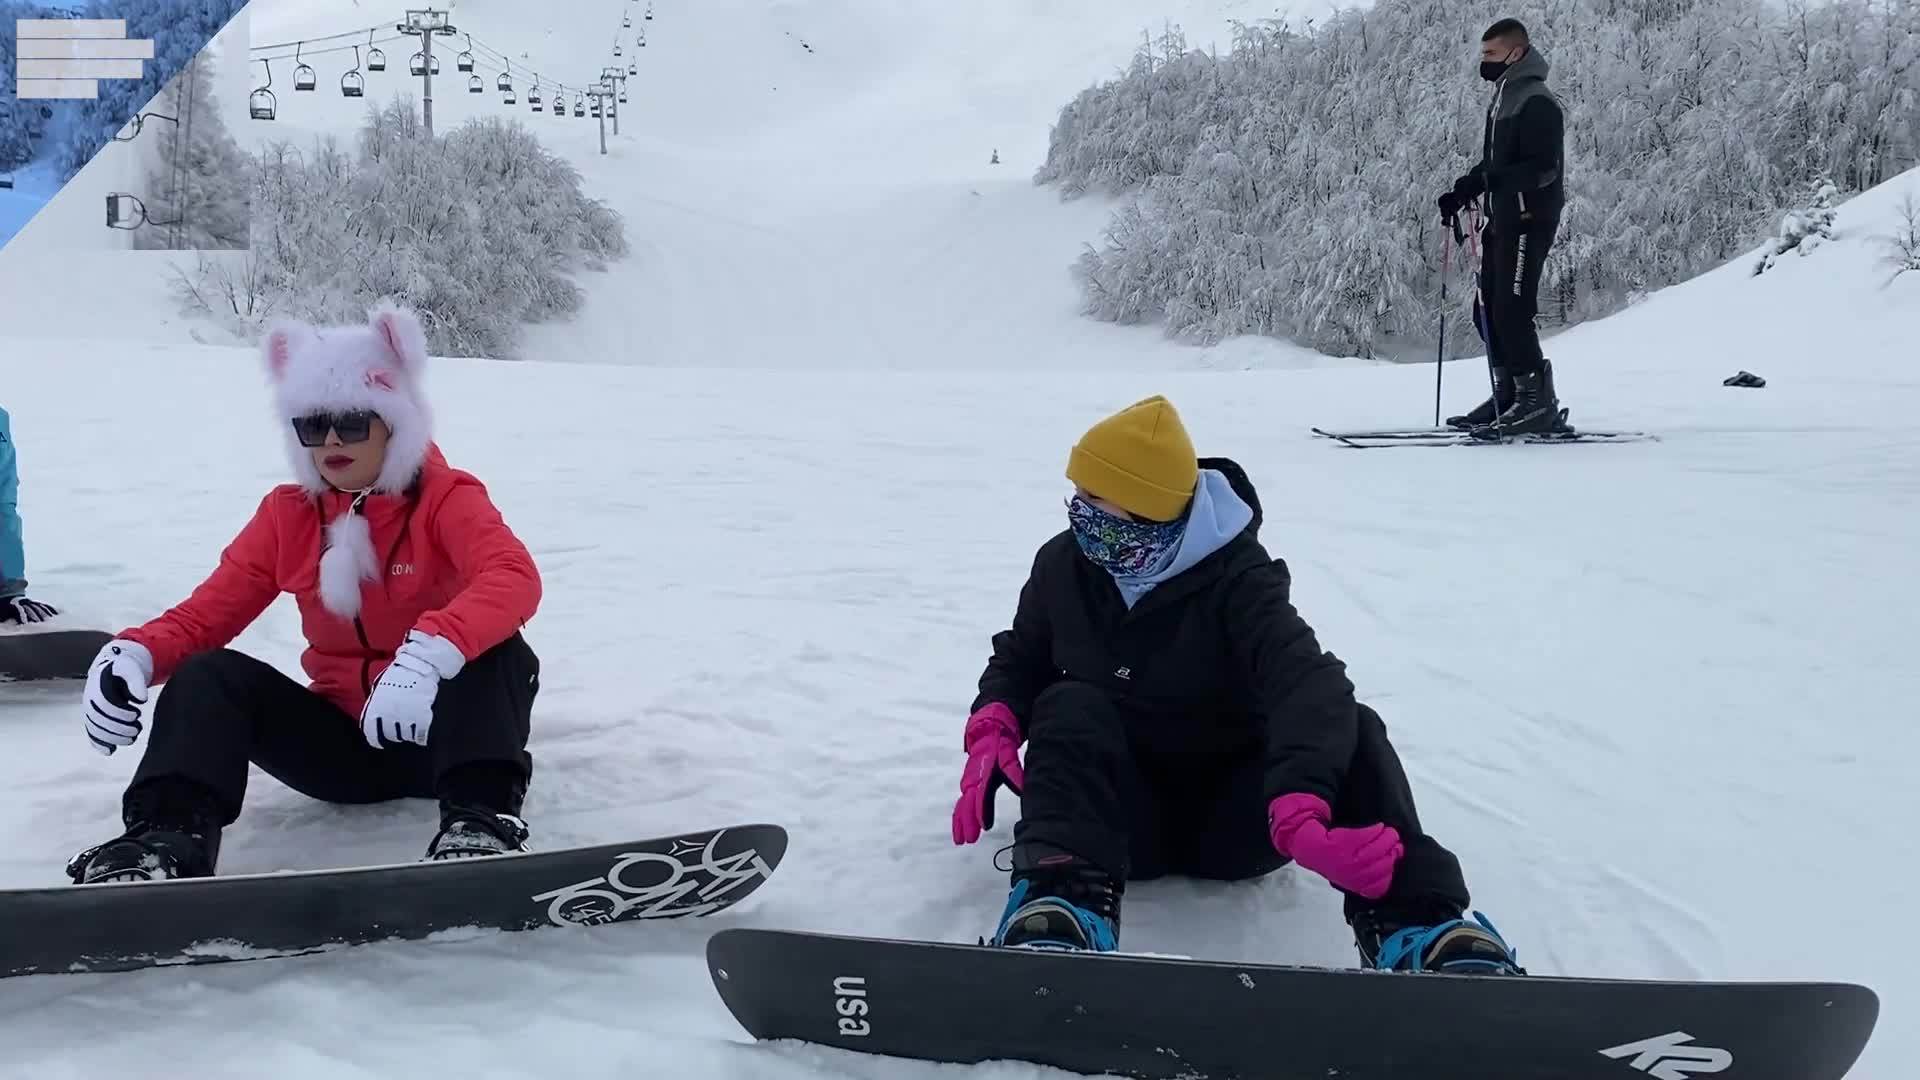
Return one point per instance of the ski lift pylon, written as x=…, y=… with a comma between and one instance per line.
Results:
x=260, y=105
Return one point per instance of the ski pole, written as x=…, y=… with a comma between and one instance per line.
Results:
x=1440, y=347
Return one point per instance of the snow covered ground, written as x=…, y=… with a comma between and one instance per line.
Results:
x=1658, y=695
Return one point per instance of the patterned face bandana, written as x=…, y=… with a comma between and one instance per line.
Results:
x=1125, y=548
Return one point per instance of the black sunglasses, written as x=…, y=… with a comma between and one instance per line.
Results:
x=352, y=427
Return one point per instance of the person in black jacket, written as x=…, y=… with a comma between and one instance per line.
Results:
x=1181, y=718
x=1521, y=178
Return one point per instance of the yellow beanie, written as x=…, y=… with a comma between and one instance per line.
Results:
x=1139, y=459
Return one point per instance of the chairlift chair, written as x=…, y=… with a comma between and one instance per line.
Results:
x=418, y=64
x=504, y=84
x=353, y=84
x=6, y=183
x=474, y=85
x=303, y=76
x=616, y=50
x=533, y=95
x=626, y=22
x=433, y=67
x=580, y=106
x=633, y=69
x=623, y=97
x=260, y=105
x=376, y=60
x=465, y=61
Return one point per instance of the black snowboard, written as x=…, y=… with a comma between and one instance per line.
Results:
x=1163, y=1019
x=33, y=655
x=118, y=927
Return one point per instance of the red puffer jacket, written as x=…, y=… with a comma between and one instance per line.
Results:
x=449, y=566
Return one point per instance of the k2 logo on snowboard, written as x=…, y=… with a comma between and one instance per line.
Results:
x=1669, y=1057
x=683, y=887
x=850, y=1001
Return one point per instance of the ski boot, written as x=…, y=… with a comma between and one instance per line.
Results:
x=1485, y=412
x=1063, y=903
x=173, y=831
x=468, y=832
x=1535, y=410
x=1452, y=947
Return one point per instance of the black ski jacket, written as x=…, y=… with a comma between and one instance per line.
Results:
x=1522, y=169
x=1214, y=661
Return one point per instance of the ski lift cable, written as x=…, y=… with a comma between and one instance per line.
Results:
x=323, y=37
x=323, y=52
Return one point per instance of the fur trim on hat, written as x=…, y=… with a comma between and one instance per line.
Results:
x=378, y=366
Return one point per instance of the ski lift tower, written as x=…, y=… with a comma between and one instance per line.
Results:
x=603, y=90
x=609, y=77
x=424, y=23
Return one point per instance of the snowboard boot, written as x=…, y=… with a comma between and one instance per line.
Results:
x=468, y=832
x=1063, y=903
x=173, y=831
x=1452, y=947
x=1535, y=409
x=1485, y=412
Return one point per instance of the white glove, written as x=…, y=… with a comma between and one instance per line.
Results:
x=400, y=709
x=116, y=687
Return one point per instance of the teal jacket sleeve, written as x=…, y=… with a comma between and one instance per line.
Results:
x=13, y=559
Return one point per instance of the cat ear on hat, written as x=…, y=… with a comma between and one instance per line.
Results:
x=276, y=349
x=399, y=329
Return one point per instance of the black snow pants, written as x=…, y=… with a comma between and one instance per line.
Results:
x=1090, y=791
x=1510, y=262
x=221, y=710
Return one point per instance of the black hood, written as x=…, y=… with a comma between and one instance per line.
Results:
x=1241, y=484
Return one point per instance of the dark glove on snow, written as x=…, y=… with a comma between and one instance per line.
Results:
x=19, y=609
x=1451, y=204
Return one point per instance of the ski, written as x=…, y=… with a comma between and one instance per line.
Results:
x=1363, y=440
x=130, y=925
x=1160, y=1018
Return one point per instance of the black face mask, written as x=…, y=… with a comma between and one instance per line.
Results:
x=1491, y=70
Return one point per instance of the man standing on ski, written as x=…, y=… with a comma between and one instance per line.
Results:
x=1521, y=180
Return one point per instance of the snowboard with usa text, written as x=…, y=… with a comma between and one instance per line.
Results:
x=1159, y=1018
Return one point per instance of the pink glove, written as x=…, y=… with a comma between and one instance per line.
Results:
x=1359, y=860
x=993, y=758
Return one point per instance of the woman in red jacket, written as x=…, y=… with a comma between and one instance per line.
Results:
x=411, y=591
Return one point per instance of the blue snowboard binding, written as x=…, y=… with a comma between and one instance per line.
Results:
x=1453, y=947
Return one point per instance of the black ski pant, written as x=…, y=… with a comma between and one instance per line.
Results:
x=1091, y=791
x=1510, y=262
x=222, y=710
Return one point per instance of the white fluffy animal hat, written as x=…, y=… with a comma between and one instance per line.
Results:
x=336, y=369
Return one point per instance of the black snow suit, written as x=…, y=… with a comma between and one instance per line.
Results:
x=1522, y=174
x=1156, y=736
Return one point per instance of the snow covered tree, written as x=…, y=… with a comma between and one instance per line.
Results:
x=479, y=229
x=179, y=29
x=1802, y=230
x=22, y=123
x=1286, y=185
x=200, y=180
x=1903, y=243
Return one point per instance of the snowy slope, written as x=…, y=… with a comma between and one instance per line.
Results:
x=1670, y=741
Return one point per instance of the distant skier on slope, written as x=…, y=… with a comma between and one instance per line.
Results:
x=1522, y=177
x=1181, y=718
x=15, y=608
x=411, y=592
